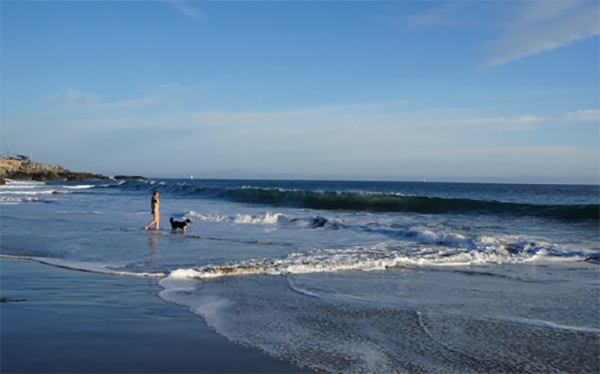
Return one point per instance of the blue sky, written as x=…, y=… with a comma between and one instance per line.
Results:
x=487, y=91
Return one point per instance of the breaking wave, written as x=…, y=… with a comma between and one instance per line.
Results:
x=361, y=201
x=459, y=251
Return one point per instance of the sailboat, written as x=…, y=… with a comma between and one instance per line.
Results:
x=191, y=176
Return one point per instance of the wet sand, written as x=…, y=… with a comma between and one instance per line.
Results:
x=57, y=320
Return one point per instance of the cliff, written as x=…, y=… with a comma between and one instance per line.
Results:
x=28, y=170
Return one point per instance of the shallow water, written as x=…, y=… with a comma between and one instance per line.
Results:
x=346, y=276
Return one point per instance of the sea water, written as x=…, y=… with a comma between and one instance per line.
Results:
x=345, y=276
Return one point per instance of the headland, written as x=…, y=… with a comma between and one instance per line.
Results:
x=24, y=169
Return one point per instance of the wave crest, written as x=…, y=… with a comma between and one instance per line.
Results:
x=362, y=201
x=480, y=250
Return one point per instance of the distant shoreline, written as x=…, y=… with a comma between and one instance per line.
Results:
x=23, y=169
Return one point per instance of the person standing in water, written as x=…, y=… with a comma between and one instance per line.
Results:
x=154, y=203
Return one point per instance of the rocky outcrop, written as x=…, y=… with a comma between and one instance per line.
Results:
x=35, y=171
x=129, y=177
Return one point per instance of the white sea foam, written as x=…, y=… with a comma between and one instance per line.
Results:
x=432, y=320
x=21, y=184
x=267, y=218
x=18, y=200
x=15, y=192
x=79, y=187
x=377, y=257
x=555, y=325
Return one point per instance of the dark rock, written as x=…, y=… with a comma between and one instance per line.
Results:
x=40, y=176
x=19, y=175
x=45, y=176
x=28, y=170
x=318, y=221
x=7, y=300
x=129, y=177
x=50, y=175
x=71, y=176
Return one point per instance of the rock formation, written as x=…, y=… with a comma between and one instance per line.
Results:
x=28, y=170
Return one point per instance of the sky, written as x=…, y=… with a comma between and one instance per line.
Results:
x=473, y=91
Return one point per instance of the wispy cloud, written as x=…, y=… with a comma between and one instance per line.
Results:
x=81, y=102
x=524, y=28
x=587, y=115
x=73, y=96
x=187, y=10
x=446, y=14
x=540, y=26
x=450, y=13
x=518, y=123
x=526, y=122
x=336, y=138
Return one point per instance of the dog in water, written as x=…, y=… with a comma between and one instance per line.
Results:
x=178, y=224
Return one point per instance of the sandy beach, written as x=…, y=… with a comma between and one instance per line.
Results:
x=56, y=320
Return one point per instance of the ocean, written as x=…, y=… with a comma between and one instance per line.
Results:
x=345, y=277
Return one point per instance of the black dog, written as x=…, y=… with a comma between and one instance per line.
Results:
x=179, y=225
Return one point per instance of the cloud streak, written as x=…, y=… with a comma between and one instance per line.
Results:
x=337, y=121
x=587, y=115
x=543, y=26
x=336, y=138
x=186, y=10
x=525, y=28
x=77, y=101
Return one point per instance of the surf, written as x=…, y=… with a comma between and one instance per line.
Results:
x=365, y=200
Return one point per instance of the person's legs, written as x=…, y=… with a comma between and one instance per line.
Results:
x=154, y=221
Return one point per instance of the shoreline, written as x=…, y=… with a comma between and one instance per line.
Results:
x=59, y=320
